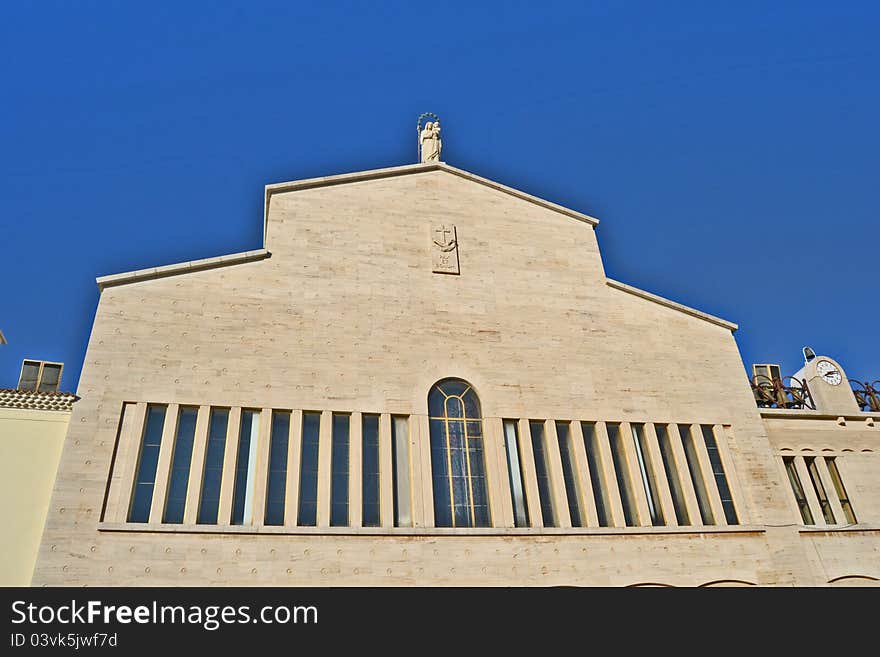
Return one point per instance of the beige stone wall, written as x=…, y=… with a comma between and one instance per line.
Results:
x=347, y=316
x=842, y=555
x=30, y=446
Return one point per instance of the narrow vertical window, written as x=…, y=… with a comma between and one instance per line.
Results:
x=597, y=475
x=824, y=504
x=180, y=462
x=720, y=477
x=50, y=378
x=542, y=470
x=370, y=470
x=646, y=469
x=671, y=469
x=458, y=468
x=276, y=484
x=308, y=471
x=148, y=461
x=798, y=490
x=441, y=478
x=212, y=477
x=831, y=462
x=515, y=474
x=693, y=463
x=400, y=471
x=569, y=474
x=618, y=456
x=475, y=462
x=30, y=375
x=245, y=464
x=339, y=470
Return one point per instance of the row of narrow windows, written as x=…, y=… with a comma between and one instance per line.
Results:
x=620, y=483
x=458, y=468
x=277, y=477
x=811, y=466
x=245, y=468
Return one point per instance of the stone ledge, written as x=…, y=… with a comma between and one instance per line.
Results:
x=807, y=413
x=427, y=531
x=687, y=310
x=846, y=529
x=180, y=268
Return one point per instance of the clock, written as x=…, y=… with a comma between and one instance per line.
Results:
x=829, y=373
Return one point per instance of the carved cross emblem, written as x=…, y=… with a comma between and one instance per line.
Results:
x=444, y=237
x=444, y=249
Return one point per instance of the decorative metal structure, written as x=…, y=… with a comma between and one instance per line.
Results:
x=867, y=395
x=787, y=392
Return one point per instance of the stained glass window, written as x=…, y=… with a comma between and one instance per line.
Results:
x=459, y=473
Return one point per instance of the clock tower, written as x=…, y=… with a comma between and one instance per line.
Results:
x=828, y=385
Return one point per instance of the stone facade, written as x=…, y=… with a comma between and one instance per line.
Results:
x=343, y=312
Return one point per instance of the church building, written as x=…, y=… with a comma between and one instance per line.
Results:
x=424, y=377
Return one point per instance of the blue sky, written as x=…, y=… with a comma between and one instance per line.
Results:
x=729, y=149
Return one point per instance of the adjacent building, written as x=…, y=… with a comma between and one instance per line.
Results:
x=34, y=418
x=425, y=377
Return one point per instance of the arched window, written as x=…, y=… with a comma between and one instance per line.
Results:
x=457, y=465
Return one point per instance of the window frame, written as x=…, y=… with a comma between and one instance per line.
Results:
x=180, y=466
x=41, y=365
x=849, y=513
x=798, y=491
x=591, y=474
x=209, y=507
x=375, y=478
x=474, y=520
x=340, y=455
x=134, y=510
x=516, y=473
x=276, y=466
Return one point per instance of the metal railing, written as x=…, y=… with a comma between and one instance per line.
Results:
x=787, y=392
x=867, y=395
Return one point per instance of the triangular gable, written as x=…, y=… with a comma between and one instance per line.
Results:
x=390, y=172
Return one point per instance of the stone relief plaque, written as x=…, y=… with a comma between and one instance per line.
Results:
x=444, y=249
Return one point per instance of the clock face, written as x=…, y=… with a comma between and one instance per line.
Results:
x=829, y=373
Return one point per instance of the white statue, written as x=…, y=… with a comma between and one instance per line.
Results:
x=430, y=140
